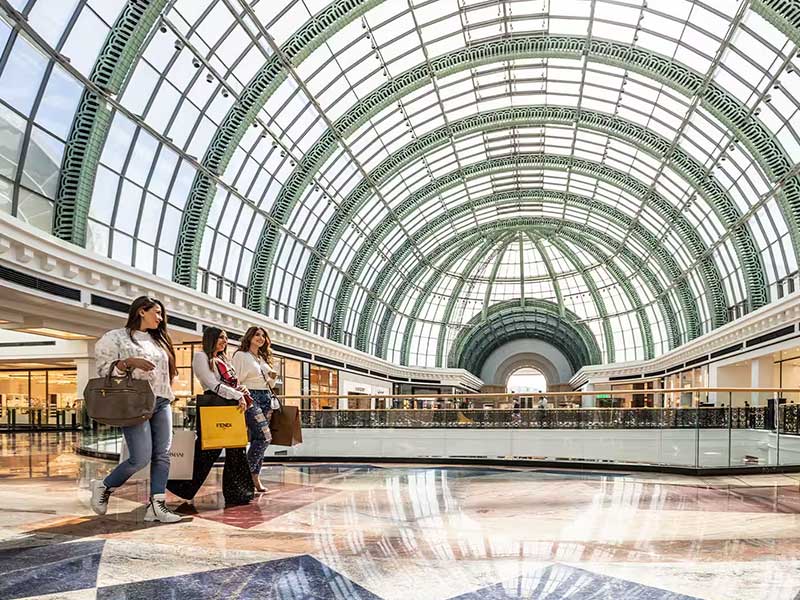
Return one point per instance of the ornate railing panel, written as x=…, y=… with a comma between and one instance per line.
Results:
x=555, y=418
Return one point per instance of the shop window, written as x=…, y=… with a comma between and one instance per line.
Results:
x=324, y=382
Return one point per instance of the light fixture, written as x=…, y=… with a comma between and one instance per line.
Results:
x=56, y=333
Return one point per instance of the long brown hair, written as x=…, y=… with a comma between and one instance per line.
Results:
x=160, y=334
x=210, y=337
x=265, y=351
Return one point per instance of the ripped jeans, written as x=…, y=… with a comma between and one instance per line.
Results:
x=257, y=418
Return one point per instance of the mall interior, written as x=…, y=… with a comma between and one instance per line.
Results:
x=529, y=270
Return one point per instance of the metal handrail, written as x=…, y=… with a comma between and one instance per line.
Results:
x=772, y=390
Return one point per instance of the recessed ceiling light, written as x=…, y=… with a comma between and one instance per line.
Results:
x=56, y=333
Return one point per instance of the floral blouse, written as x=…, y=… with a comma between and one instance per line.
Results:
x=118, y=345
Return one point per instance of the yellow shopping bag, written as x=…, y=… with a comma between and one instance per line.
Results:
x=222, y=427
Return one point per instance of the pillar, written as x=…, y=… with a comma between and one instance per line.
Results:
x=762, y=375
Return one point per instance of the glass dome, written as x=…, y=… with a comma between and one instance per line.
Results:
x=378, y=172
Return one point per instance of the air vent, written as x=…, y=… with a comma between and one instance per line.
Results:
x=772, y=335
x=377, y=374
x=624, y=377
x=358, y=369
x=696, y=361
x=110, y=304
x=425, y=381
x=329, y=361
x=124, y=307
x=725, y=351
x=42, y=285
x=404, y=379
x=655, y=373
x=291, y=351
x=191, y=325
x=674, y=368
x=25, y=344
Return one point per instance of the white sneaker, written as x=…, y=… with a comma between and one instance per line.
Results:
x=100, y=495
x=157, y=510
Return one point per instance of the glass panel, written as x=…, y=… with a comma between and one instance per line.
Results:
x=36, y=210
x=39, y=405
x=12, y=130
x=21, y=76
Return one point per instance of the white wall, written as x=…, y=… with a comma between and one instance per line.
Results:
x=62, y=350
x=509, y=350
x=652, y=446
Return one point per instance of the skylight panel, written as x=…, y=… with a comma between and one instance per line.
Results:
x=611, y=31
x=288, y=22
x=692, y=59
x=700, y=41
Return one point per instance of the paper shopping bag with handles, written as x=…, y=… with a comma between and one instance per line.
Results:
x=222, y=427
x=285, y=426
x=181, y=456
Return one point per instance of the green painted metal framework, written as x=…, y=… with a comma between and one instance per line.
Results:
x=381, y=310
x=242, y=115
x=510, y=320
x=640, y=137
x=548, y=226
x=716, y=295
x=716, y=100
x=93, y=118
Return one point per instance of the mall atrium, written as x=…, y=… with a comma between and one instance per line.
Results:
x=526, y=272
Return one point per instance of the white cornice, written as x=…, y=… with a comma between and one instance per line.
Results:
x=27, y=249
x=768, y=318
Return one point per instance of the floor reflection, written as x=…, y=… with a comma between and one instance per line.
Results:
x=388, y=531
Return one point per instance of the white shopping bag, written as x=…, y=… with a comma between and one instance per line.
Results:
x=181, y=456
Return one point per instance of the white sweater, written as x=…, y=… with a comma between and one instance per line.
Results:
x=210, y=380
x=118, y=345
x=253, y=372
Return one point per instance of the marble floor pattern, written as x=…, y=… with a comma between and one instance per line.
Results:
x=398, y=532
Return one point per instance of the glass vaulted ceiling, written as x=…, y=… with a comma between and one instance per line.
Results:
x=382, y=172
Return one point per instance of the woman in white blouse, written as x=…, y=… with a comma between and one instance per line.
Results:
x=215, y=373
x=144, y=349
x=253, y=364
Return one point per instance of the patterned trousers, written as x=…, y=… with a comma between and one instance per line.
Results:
x=257, y=418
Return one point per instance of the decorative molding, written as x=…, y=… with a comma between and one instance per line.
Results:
x=26, y=248
x=773, y=316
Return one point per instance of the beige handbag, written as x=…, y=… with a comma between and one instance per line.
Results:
x=119, y=401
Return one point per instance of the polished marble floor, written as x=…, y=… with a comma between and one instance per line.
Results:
x=385, y=531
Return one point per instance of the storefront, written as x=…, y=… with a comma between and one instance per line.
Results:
x=45, y=397
x=361, y=392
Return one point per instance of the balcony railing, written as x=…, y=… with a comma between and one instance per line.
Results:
x=716, y=428
x=557, y=418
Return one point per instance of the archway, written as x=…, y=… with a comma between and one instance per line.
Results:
x=526, y=380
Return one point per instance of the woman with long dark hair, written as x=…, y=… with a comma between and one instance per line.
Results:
x=215, y=373
x=253, y=364
x=144, y=349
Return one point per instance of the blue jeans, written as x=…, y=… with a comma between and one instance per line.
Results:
x=257, y=418
x=148, y=442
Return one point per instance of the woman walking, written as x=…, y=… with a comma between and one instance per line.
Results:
x=144, y=349
x=253, y=364
x=216, y=374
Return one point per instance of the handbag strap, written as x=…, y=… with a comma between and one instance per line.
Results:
x=127, y=372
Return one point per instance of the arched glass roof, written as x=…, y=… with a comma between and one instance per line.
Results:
x=381, y=172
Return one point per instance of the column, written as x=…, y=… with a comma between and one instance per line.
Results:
x=589, y=401
x=762, y=375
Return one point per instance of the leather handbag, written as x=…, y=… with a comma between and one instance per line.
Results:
x=119, y=401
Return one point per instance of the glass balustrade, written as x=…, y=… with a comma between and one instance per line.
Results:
x=699, y=428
